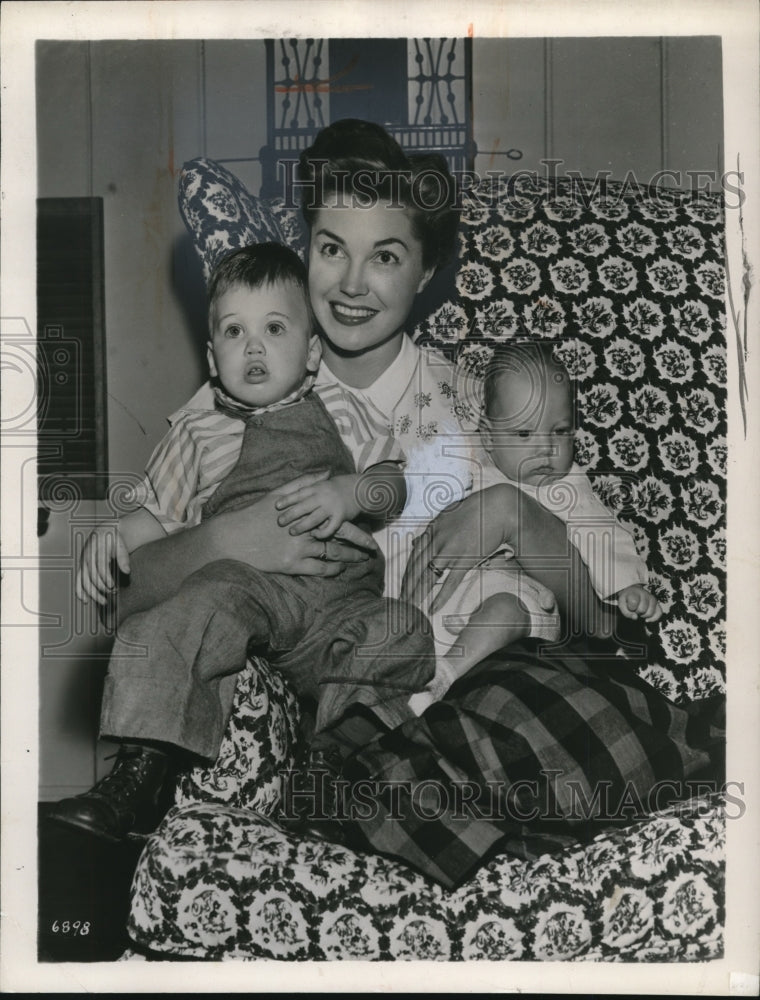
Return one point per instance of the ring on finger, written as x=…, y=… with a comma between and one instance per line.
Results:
x=323, y=554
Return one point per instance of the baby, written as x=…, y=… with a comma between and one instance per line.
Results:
x=528, y=427
x=172, y=671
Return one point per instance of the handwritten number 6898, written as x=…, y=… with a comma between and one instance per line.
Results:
x=75, y=927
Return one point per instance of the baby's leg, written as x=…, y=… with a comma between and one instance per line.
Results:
x=493, y=607
x=540, y=542
x=500, y=620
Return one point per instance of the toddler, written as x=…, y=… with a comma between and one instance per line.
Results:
x=527, y=427
x=173, y=668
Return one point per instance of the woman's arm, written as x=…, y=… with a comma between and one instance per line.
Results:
x=464, y=535
x=249, y=535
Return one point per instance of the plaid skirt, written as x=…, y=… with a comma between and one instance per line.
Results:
x=527, y=754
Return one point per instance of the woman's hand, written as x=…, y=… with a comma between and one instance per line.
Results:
x=253, y=535
x=250, y=535
x=458, y=539
x=503, y=515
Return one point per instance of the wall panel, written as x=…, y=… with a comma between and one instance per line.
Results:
x=140, y=123
x=63, y=119
x=604, y=95
x=508, y=99
x=693, y=105
x=235, y=106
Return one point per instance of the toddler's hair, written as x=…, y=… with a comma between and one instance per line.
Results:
x=532, y=359
x=254, y=266
x=360, y=159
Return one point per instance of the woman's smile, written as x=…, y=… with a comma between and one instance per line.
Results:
x=351, y=315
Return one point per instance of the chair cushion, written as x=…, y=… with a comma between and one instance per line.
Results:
x=220, y=213
x=216, y=882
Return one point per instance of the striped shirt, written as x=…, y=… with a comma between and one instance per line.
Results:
x=204, y=444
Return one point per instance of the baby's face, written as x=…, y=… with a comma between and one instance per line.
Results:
x=529, y=431
x=261, y=342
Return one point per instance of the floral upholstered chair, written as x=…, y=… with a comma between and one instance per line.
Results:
x=631, y=282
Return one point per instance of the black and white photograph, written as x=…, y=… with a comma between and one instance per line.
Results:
x=380, y=488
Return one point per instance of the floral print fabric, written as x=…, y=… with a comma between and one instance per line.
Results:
x=219, y=882
x=259, y=745
x=220, y=213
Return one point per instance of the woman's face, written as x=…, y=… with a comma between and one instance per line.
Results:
x=365, y=268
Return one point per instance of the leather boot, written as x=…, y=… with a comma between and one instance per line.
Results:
x=129, y=800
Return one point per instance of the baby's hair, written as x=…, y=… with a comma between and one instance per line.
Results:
x=532, y=359
x=361, y=161
x=255, y=266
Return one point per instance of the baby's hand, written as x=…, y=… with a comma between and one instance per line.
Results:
x=637, y=602
x=319, y=509
x=95, y=577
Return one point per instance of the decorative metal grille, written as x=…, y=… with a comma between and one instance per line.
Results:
x=437, y=67
x=301, y=80
x=303, y=89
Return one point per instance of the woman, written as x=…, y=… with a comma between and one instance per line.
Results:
x=521, y=739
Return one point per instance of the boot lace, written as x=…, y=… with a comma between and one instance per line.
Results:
x=129, y=773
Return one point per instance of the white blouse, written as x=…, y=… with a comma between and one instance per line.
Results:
x=432, y=408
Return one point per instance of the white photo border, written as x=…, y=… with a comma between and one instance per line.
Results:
x=736, y=21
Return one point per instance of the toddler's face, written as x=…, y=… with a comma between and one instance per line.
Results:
x=529, y=431
x=261, y=342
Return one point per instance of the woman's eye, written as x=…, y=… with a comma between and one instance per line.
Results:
x=386, y=257
x=331, y=250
